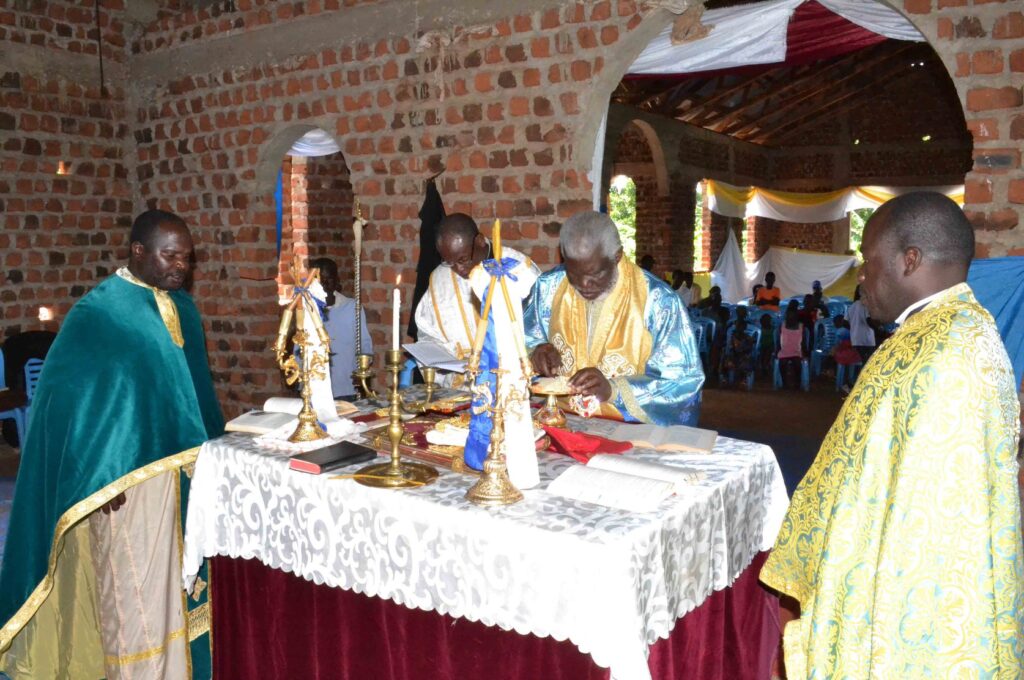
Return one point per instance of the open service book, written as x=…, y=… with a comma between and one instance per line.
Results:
x=672, y=438
x=625, y=483
x=433, y=355
x=277, y=412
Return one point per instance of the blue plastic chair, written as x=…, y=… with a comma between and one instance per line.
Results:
x=16, y=414
x=707, y=337
x=824, y=340
x=805, y=366
x=33, y=367
x=756, y=333
x=405, y=376
x=836, y=308
x=841, y=373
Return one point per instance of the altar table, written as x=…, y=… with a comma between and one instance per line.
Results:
x=610, y=583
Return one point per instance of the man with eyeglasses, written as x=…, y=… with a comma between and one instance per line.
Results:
x=449, y=311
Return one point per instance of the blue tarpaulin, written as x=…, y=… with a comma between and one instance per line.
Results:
x=998, y=283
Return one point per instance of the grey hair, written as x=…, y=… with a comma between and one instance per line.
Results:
x=588, y=233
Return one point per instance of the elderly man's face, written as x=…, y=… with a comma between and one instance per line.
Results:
x=168, y=261
x=461, y=254
x=881, y=275
x=592, y=276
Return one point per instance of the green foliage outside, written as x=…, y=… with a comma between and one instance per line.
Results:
x=622, y=210
x=858, y=218
x=698, y=227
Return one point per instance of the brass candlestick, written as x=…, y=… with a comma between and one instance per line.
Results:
x=395, y=474
x=429, y=374
x=495, y=488
x=314, y=363
x=363, y=376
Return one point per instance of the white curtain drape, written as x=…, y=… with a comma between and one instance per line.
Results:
x=314, y=143
x=795, y=270
x=807, y=208
x=756, y=34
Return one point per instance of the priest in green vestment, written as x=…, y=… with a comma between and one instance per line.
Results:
x=90, y=585
x=902, y=544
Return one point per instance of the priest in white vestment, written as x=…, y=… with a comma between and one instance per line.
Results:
x=449, y=311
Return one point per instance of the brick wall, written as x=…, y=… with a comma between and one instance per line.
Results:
x=512, y=92
x=330, y=211
x=62, y=233
x=816, y=236
x=505, y=113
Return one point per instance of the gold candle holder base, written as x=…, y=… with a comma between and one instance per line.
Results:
x=308, y=429
x=406, y=475
x=494, y=487
x=550, y=415
x=395, y=474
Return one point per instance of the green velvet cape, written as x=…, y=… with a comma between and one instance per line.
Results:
x=115, y=394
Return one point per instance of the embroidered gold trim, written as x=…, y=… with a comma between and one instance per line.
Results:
x=164, y=303
x=629, y=399
x=129, y=659
x=437, y=309
x=462, y=309
x=75, y=514
x=198, y=621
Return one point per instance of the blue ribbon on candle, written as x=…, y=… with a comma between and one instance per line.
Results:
x=321, y=305
x=502, y=267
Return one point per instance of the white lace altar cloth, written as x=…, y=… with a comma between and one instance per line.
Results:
x=610, y=581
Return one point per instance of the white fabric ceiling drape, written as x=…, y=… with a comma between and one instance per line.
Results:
x=795, y=270
x=756, y=34
x=734, y=201
x=314, y=143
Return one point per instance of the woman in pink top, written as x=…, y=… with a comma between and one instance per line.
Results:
x=791, y=337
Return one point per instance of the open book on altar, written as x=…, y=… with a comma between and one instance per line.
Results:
x=673, y=438
x=625, y=483
x=277, y=412
x=433, y=355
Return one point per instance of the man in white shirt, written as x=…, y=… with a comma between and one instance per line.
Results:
x=862, y=332
x=682, y=282
x=449, y=311
x=340, y=324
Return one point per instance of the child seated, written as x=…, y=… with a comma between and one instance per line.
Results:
x=739, y=358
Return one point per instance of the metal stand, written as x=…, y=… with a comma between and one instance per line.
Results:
x=395, y=474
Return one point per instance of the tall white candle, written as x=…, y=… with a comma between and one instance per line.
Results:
x=397, y=303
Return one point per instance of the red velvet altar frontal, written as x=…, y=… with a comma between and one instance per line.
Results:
x=271, y=624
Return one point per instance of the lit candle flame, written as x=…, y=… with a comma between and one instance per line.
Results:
x=45, y=314
x=398, y=281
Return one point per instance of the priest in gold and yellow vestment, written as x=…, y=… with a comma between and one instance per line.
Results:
x=902, y=544
x=620, y=334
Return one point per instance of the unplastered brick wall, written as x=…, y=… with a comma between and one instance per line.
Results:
x=514, y=91
x=330, y=209
x=216, y=90
x=816, y=236
x=61, y=233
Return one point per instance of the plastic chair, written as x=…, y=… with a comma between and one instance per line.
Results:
x=17, y=414
x=33, y=367
x=405, y=376
x=707, y=337
x=756, y=333
x=805, y=366
x=841, y=372
x=824, y=340
x=836, y=308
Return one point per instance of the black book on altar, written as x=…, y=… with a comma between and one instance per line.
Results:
x=331, y=457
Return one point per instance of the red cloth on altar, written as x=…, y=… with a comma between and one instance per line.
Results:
x=271, y=624
x=582, y=446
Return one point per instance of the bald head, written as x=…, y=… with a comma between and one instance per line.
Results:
x=932, y=223
x=915, y=245
x=460, y=243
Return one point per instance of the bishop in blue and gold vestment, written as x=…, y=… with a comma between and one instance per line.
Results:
x=902, y=544
x=619, y=333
